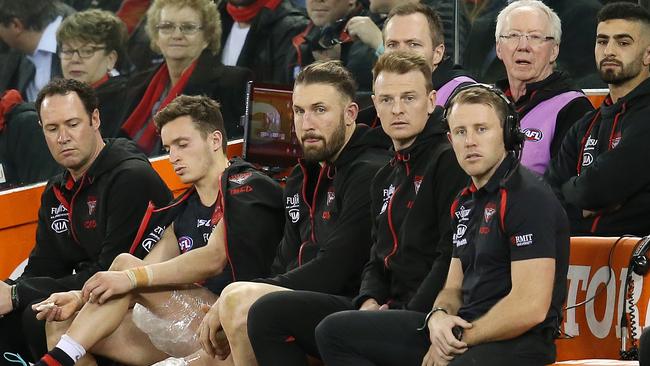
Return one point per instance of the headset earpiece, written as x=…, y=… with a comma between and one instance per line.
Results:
x=513, y=138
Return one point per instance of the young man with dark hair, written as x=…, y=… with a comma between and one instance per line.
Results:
x=89, y=214
x=502, y=300
x=29, y=27
x=596, y=174
x=204, y=236
x=410, y=196
x=327, y=232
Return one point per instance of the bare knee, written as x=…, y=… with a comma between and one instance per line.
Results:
x=125, y=261
x=234, y=305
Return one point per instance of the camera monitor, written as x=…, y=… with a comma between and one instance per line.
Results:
x=270, y=139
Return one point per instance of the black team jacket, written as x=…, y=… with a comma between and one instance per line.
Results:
x=601, y=168
x=327, y=229
x=84, y=225
x=411, y=197
x=251, y=205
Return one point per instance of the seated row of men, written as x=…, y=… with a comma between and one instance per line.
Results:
x=506, y=247
x=188, y=35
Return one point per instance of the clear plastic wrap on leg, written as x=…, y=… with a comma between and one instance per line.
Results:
x=171, y=326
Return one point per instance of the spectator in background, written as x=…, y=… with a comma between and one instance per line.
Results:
x=89, y=214
x=90, y=44
x=599, y=173
x=188, y=34
x=579, y=21
x=29, y=27
x=24, y=157
x=257, y=35
x=528, y=37
x=418, y=28
x=324, y=38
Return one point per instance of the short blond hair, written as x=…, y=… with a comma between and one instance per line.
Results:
x=403, y=62
x=210, y=20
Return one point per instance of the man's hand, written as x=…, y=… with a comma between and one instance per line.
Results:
x=444, y=345
x=59, y=306
x=365, y=30
x=372, y=304
x=211, y=335
x=5, y=299
x=103, y=285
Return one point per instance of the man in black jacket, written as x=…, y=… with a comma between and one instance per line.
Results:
x=88, y=215
x=410, y=197
x=597, y=175
x=327, y=198
x=202, y=237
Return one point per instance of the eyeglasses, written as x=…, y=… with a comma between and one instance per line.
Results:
x=84, y=52
x=533, y=39
x=187, y=29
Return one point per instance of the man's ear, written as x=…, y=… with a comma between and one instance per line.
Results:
x=216, y=138
x=95, y=121
x=351, y=113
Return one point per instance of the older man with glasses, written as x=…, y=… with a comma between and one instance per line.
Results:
x=528, y=37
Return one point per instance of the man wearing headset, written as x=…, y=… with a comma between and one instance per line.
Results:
x=502, y=302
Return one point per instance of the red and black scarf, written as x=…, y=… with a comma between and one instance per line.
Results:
x=142, y=118
x=245, y=14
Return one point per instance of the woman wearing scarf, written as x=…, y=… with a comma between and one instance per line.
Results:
x=188, y=34
x=89, y=44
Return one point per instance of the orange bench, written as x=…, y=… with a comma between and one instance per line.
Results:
x=594, y=326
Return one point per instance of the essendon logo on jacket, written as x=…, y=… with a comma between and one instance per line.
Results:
x=417, y=181
x=239, y=178
x=92, y=204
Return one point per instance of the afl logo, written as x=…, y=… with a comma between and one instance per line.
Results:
x=533, y=134
x=185, y=243
x=60, y=225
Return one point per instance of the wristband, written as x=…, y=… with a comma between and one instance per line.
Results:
x=14, y=298
x=426, y=318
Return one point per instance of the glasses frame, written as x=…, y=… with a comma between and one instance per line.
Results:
x=532, y=39
x=194, y=28
x=69, y=54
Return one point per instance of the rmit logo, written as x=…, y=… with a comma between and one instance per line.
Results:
x=533, y=134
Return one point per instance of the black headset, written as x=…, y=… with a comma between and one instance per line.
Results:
x=513, y=138
x=639, y=263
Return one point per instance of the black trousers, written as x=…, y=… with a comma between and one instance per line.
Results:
x=644, y=348
x=390, y=337
x=281, y=325
x=21, y=333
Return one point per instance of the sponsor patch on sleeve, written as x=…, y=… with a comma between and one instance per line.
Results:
x=521, y=240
